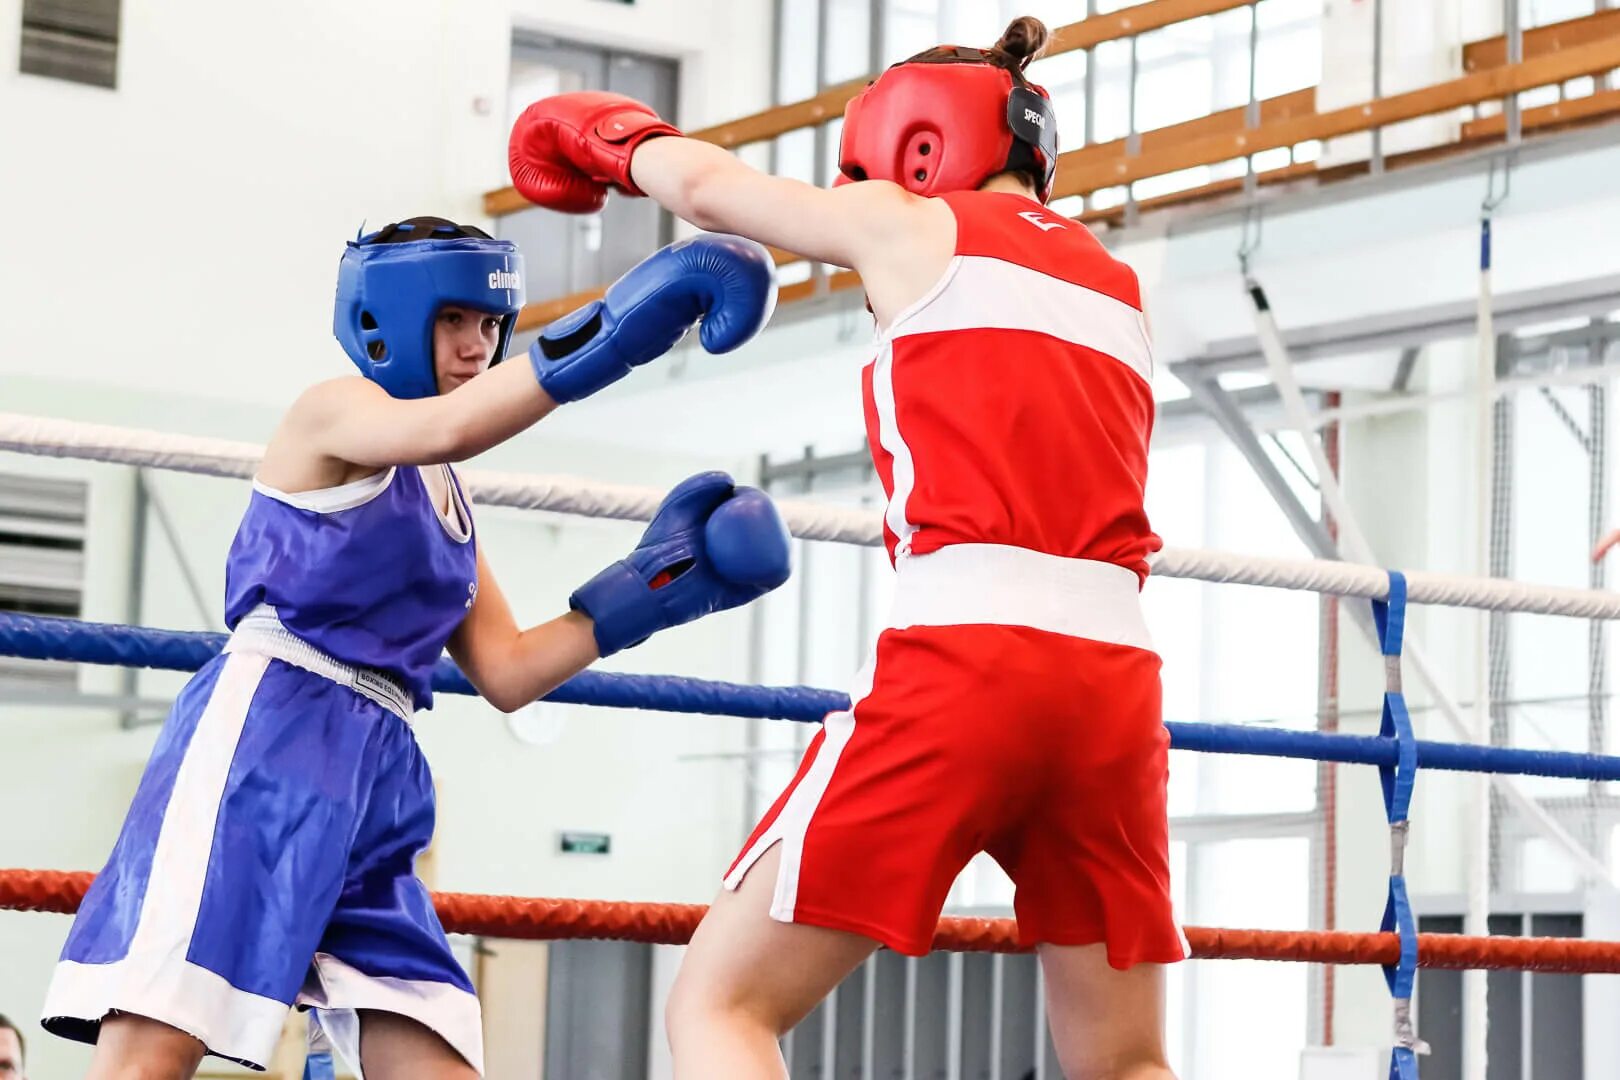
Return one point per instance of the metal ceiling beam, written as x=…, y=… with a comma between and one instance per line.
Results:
x=1592, y=298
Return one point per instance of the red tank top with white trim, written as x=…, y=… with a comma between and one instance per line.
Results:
x=1012, y=403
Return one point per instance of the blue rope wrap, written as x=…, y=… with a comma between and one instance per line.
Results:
x=1398, y=918
x=1390, y=615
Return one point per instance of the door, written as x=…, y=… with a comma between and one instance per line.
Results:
x=565, y=253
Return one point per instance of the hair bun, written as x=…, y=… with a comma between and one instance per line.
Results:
x=1023, y=39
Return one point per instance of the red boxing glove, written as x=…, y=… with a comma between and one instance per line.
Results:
x=566, y=150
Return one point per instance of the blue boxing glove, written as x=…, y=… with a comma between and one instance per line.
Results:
x=711, y=546
x=726, y=282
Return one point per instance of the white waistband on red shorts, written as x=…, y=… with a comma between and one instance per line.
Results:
x=260, y=631
x=997, y=585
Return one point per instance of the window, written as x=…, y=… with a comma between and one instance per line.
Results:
x=1543, y=12
x=910, y=27
x=41, y=564
x=848, y=45
x=1533, y=1016
x=1290, y=47
x=584, y=250
x=75, y=40
x=797, y=50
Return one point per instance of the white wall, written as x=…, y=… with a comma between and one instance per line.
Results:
x=188, y=224
x=170, y=263
x=724, y=45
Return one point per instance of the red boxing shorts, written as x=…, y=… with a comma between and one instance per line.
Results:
x=1013, y=707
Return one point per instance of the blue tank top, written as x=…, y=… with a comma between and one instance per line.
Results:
x=369, y=573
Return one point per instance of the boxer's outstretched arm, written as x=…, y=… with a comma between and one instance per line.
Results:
x=725, y=284
x=855, y=225
x=354, y=420
x=567, y=151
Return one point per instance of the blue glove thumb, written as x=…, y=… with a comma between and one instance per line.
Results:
x=747, y=542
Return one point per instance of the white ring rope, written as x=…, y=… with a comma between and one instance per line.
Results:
x=559, y=494
x=809, y=520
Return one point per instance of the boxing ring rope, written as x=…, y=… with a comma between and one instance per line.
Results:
x=807, y=520
x=38, y=637
x=558, y=494
x=543, y=919
x=1398, y=755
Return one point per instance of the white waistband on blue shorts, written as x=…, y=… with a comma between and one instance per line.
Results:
x=998, y=585
x=260, y=631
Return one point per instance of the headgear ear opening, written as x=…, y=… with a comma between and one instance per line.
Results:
x=393, y=282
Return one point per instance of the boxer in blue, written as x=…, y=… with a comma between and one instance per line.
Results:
x=267, y=859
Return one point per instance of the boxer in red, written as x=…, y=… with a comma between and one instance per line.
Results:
x=1013, y=703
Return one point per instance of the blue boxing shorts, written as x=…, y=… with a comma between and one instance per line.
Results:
x=268, y=861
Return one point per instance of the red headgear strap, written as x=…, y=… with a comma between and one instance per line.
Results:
x=948, y=120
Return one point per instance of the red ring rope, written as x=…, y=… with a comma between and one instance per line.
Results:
x=672, y=924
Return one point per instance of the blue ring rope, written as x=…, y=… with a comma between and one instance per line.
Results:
x=46, y=638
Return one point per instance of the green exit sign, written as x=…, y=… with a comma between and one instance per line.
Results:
x=584, y=843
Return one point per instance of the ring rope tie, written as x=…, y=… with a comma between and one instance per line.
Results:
x=1397, y=779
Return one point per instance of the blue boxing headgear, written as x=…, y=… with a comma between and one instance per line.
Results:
x=392, y=283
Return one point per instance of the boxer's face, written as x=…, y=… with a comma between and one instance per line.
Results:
x=464, y=342
x=11, y=1057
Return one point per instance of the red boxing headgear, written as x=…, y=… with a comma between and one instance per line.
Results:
x=947, y=120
